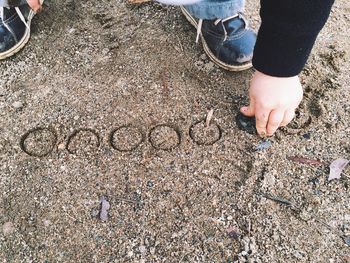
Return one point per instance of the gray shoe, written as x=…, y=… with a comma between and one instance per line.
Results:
x=14, y=27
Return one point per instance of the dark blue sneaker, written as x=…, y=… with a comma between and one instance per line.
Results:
x=14, y=29
x=229, y=42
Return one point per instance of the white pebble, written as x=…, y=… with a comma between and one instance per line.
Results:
x=8, y=228
x=17, y=105
x=142, y=249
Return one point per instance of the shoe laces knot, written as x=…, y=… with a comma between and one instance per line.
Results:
x=222, y=21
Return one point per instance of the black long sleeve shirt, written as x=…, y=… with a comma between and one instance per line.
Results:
x=287, y=34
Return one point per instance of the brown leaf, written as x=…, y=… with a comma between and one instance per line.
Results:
x=104, y=209
x=304, y=160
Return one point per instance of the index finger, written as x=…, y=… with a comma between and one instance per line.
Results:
x=262, y=117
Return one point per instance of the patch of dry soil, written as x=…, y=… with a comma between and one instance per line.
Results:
x=108, y=100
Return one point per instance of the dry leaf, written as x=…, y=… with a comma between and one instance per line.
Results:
x=263, y=145
x=209, y=117
x=104, y=209
x=233, y=233
x=336, y=168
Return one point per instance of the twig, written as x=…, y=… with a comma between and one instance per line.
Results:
x=138, y=1
x=280, y=200
x=332, y=229
x=304, y=160
x=277, y=199
x=127, y=200
x=290, y=204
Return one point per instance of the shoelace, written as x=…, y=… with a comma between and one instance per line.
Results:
x=216, y=22
x=19, y=13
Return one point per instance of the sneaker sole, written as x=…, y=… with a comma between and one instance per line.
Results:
x=210, y=54
x=24, y=40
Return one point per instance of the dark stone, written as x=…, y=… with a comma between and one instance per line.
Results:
x=246, y=124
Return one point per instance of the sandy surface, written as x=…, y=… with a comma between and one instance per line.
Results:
x=109, y=100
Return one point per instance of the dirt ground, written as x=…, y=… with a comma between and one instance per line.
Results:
x=109, y=100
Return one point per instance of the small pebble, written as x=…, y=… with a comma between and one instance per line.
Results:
x=142, y=249
x=209, y=66
x=8, y=228
x=203, y=57
x=232, y=233
x=17, y=105
x=46, y=223
x=61, y=146
x=71, y=30
x=307, y=136
x=347, y=240
x=246, y=124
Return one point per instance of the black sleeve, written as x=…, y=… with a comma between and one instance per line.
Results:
x=287, y=34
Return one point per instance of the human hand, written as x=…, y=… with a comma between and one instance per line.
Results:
x=273, y=101
x=35, y=5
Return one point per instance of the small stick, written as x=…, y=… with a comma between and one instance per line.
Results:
x=138, y=1
x=278, y=199
x=209, y=117
x=281, y=201
x=127, y=200
x=293, y=206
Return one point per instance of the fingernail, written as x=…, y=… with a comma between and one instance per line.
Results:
x=263, y=134
x=244, y=108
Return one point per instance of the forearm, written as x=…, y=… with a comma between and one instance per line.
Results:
x=287, y=34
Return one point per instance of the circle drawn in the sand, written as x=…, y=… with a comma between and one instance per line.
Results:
x=203, y=135
x=165, y=137
x=245, y=123
x=299, y=123
x=126, y=138
x=38, y=142
x=83, y=141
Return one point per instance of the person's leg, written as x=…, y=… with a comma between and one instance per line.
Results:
x=225, y=34
x=215, y=9
x=15, y=20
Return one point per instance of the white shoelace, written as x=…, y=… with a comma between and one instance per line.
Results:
x=216, y=22
x=21, y=16
x=19, y=13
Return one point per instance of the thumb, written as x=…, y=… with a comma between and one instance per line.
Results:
x=249, y=111
x=35, y=5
